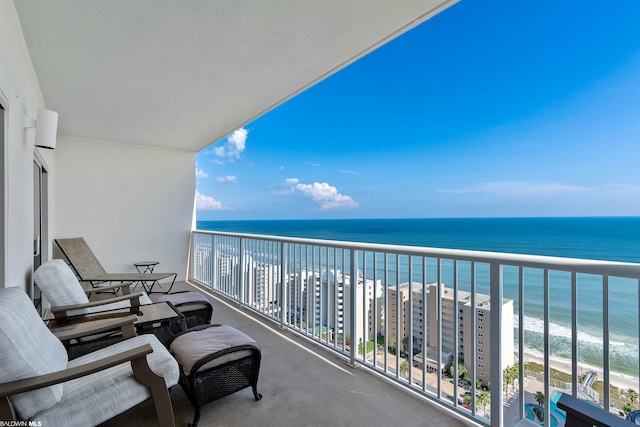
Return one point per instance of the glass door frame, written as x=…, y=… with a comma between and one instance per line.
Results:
x=40, y=216
x=4, y=141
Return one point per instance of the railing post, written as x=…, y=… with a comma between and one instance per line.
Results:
x=241, y=272
x=606, y=358
x=521, y=385
x=547, y=347
x=352, y=309
x=213, y=263
x=283, y=296
x=190, y=256
x=495, y=316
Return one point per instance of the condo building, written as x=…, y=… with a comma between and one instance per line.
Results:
x=261, y=278
x=424, y=319
x=329, y=287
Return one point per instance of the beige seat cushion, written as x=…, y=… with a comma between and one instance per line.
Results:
x=192, y=301
x=191, y=347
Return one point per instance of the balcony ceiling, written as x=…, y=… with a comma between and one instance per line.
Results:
x=184, y=74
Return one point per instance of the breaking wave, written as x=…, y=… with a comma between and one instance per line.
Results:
x=623, y=352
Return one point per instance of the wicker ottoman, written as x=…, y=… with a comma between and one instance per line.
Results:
x=196, y=307
x=215, y=361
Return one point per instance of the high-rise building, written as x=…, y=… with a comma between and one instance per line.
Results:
x=401, y=329
x=330, y=301
x=424, y=320
x=263, y=279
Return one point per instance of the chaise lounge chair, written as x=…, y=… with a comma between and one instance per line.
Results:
x=39, y=383
x=83, y=261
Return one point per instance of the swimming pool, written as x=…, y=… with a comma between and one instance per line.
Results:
x=528, y=409
x=559, y=413
x=556, y=413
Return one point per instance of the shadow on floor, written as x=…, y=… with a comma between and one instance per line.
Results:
x=302, y=383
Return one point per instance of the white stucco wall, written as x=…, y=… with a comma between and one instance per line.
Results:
x=129, y=202
x=21, y=92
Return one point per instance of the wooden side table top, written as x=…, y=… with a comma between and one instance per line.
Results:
x=147, y=314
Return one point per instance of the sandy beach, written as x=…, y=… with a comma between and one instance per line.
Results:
x=617, y=380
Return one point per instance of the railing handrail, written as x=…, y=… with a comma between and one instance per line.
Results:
x=354, y=313
x=578, y=265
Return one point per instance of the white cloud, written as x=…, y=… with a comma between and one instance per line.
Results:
x=234, y=145
x=315, y=165
x=292, y=180
x=220, y=150
x=201, y=174
x=348, y=171
x=218, y=162
x=324, y=193
x=228, y=178
x=208, y=203
x=519, y=188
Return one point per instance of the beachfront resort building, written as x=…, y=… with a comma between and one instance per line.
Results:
x=482, y=332
x=262, y=278
x=401, y=329
x=424, y=319
x=330, y=301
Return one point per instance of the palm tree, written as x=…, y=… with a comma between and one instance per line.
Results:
x=483, y=400
x=626, y=409
x=404, y=368
x=392, y=343
x=508, y=378
x=461, y=370
x=632, y=395
x=509, y=375
x=539, y=398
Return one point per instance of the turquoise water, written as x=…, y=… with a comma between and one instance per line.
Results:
x=559, y=413
x=613, y=239
x=528, y=409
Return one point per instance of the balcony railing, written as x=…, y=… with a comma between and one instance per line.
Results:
x=354, y=297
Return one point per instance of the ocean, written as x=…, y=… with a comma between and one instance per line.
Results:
x=598, y=238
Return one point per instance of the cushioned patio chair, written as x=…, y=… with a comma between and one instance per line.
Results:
x=39, y=383
x=61, y=288
x=88, y=268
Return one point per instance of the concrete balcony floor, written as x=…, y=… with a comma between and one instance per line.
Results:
x=302, y=384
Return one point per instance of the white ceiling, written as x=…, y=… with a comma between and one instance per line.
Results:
x=183, y=73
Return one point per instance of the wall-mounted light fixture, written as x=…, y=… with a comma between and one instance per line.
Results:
x=46, y=126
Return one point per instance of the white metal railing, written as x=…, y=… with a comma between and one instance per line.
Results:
x=345, y=295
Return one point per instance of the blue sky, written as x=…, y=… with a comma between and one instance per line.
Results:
x=489, y=109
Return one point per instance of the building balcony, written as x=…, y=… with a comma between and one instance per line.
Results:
x=303, y=383
x=483, y=276
x=124, y=179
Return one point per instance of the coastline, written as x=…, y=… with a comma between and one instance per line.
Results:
x=615, y=379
